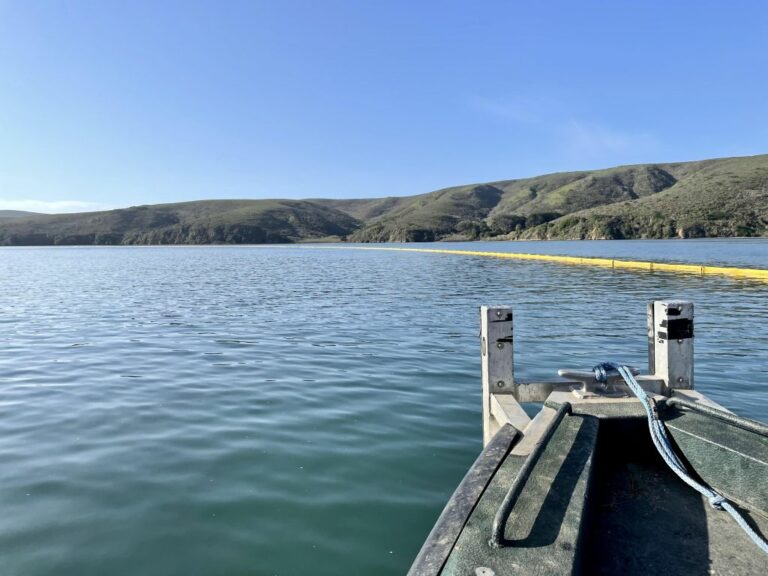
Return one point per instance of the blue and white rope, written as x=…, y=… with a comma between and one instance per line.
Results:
x=664, y=446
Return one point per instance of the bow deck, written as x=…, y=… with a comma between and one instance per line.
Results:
x=596, y=497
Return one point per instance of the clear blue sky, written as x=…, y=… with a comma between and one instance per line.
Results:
x=110, y=104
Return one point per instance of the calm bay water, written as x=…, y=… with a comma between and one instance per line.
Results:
x=284, y=410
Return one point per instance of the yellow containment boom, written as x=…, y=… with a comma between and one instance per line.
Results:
x=747, y=273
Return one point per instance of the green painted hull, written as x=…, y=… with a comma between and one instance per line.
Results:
x=600, y=500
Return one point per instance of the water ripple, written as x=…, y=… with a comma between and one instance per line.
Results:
x=231, y=410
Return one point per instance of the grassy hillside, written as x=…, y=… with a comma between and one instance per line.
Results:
x=432, y=216
x=366, y=209
x=726, y=197
x=721, y=197
x=204, y=222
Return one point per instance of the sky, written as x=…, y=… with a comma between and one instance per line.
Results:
x=107, y=104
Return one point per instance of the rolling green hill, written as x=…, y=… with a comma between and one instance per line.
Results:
x=713, y=198
x=721, y=197
x=203, y=222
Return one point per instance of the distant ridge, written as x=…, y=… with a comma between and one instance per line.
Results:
x=709, y=198
x=4, y=214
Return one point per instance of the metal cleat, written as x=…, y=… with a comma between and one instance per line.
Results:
x=591, y=388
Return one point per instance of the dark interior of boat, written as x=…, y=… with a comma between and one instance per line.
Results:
x=600, y=500
x=642, y=519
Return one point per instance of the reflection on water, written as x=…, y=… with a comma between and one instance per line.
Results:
x=241, y=410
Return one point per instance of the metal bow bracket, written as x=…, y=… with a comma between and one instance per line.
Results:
x=590, y=387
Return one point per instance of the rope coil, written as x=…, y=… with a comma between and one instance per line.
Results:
x=664, y=446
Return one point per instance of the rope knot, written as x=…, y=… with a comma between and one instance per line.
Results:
x=602, y=371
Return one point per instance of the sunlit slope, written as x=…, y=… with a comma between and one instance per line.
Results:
x=203, y=222
x=715, y=198
x=721, y=197
x=432, y=216
x=724, y=197
x=368, y=208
